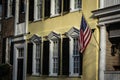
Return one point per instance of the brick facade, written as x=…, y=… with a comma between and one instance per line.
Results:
x=7, y=29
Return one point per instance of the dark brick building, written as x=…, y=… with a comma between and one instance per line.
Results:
x=7, y=28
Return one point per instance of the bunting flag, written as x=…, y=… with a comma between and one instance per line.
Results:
x=85, y=35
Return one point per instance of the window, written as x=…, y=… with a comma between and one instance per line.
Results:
x=75, y=59
x=34, y=55
x=9, y=13
x=22, y=6
x=75, y=5
x=9, y=8
x=20, y=52
x=37, y=9
x=36, y=58
x=54, y=57
x=55, y=7
x=54, y=54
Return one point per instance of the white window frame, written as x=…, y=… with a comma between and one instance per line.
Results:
x=53, y=37
x=72, y=33
x=72, y=6
x=34, y=70
x=37, y=10
x=9, y=8
x=53, y=10
x=52, y=57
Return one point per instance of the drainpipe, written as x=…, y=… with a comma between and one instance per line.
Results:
x=102, y=58
x=26, y=32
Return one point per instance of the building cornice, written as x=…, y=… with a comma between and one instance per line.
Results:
x=106, y=11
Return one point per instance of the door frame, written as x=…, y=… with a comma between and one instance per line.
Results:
x=15, y=56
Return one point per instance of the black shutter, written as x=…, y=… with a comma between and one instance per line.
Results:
x=65, y=56
x=59, y=56
x=5, y=7
x=31, y=10
x=47, y=8
x=29, y=58
x=3, y=50
x=13, y=8
x=81, y=63
x=60, y=5
x=11, y=53
x=45, y=58
x=66, y=5
x=21, y=6
x=0, y=1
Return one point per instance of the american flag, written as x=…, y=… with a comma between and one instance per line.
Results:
x=85, y=35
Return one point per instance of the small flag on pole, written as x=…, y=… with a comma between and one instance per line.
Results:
x=85, y=35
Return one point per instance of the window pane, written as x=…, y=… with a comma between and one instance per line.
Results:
x=39, y=9
x=77, y=4
x=37, y=65
x=20, y=52
x=55, y=56
x=76, y=56
x=38, y=57
x=57, y=6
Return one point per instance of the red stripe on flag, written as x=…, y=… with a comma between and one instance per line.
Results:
x=85, y=35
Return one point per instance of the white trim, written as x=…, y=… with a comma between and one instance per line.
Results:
x=34, y=60
x=73, y=32
x=51, y=38
x=102, y=52
x=101, y=3
x=36, y=11
x=16, y=47
x=9, y=9
x=72, y=6
x=52, y=10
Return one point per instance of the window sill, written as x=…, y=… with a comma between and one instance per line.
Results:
x=36, y=75
x=55, y=15
x=53, y=75
x=36, y=20
x=74, y=10
x=74, y=75
x=8, y=17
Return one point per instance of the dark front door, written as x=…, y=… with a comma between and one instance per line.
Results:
x=20, y=69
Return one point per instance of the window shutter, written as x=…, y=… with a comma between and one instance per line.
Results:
x=21, y=6
x=47, y=8
x=29, y=58
x=11, y=53
x=59, y=56
x=3, y=50
x=65, y=56
x=81, y=62
x=45, y=58
x=66, y=5
x=31, y=10
x=13, y=8
x=5, y=7
x=60, y=5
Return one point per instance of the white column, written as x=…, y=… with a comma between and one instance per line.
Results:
x=102, y=3
x=102, y=58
